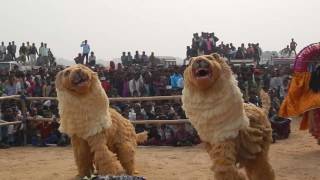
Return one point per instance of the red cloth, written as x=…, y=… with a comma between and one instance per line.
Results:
x=106, y=85
x=45, y=129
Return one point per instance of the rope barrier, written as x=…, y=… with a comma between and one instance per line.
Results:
x=9, y=123
x=176, y=121
x=120, y=99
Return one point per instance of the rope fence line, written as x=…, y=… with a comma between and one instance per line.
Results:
x=23, y=100
x=5, y=123
x=176, y=121
x=120, y=99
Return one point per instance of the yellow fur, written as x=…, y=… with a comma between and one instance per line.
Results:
x=234, y=132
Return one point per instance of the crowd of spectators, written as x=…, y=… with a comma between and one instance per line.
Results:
x=27, y=54
x=139, y=59
x=207, y=43
x=133, y=77
x=289, y=49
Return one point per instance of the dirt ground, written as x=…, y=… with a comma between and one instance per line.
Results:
x=297, y=158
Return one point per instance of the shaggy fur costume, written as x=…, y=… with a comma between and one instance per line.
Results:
x=96, y=131
x=236, y=134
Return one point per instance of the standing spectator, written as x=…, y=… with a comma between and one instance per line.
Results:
x=41, y=49
x=51, y=58
x=175, y=80
x=79, y=59
x=124, y=59
x=144, y=58
x=129, y=58
x=153, y=60
x=3, y=50
x=22, y=53
x=105, y=84
x=214, y=39
x=188, y=54
x=11, y=86
x=293, y=46
x=92, y=59
x=137, y=58
x=10, y=50
x=33, y=52
x=208, y=46
x=85, y=50
x=43, y=53
x=250, y=51
x=257, y=53
x=46, y=89
x=136, y=85
x=28, y=47
x=196, y=42
x=14, y=50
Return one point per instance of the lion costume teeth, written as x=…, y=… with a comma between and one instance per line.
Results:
x=233, y=132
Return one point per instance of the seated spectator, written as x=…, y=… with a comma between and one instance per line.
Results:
x=239, y=54
x=79, y=59
x=182, y=136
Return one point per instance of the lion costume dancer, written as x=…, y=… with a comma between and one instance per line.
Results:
x=235, y=134
x=96, y=131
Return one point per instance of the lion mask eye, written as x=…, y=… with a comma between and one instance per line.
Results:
x=66, y=73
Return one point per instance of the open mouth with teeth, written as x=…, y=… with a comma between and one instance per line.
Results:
x=202, y=70
x=80, y=80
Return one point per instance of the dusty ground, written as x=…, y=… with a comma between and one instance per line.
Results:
x=297, y=158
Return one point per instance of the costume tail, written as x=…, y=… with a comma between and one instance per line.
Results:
x=265, y=100
x=142, y=137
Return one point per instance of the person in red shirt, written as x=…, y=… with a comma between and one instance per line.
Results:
x=105, y=84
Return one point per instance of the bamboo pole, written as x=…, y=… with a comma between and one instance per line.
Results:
x=24, y=117
x=9, y=97
x=10, y=123
x=177, y=121
x=41, y=98
x=120, y=99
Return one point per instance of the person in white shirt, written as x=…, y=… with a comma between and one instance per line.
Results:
x=136, y=85
x=85, y=50
x=43, y=53
x=41, y=49
x=33, y=54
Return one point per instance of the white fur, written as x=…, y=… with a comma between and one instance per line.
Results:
x=218, y=113
x=84, y=115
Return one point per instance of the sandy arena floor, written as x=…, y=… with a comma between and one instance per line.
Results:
x=297, y=158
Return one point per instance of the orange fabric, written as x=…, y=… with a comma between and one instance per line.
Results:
x=300, y=98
